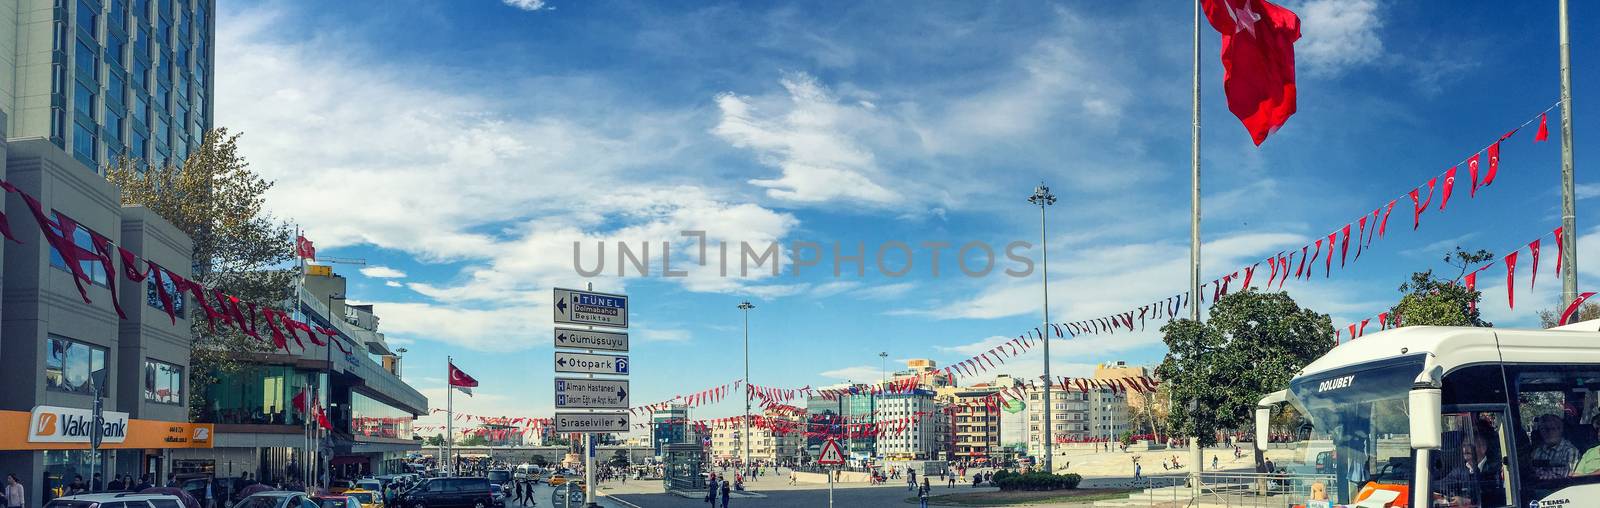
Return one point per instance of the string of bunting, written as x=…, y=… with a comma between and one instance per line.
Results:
x=217, y=306
x=1510, y=260
x=1483, y=167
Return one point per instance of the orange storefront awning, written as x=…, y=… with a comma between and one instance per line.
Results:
x=44, y=432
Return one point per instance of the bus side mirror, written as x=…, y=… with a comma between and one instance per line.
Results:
x=1263, y=431
x=1427, y=426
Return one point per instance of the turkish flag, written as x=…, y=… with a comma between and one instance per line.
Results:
x=1258, y=59
x=304, y=249
x=461, y=380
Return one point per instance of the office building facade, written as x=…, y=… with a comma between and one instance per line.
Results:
x=103, y=79
x=60, y=353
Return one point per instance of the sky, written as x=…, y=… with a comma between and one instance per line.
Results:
x=462, y=148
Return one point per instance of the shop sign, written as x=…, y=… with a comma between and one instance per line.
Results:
x=52, y=424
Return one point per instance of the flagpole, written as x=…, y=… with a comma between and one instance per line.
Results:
x=1569, y=221
x=449, y=415
x=1196, y=457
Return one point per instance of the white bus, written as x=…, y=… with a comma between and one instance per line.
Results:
x=1440, y=416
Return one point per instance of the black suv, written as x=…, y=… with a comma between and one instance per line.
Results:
x=461, y=492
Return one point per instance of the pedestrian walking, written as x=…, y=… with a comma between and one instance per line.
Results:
x=725, y=495
x=952, y=482
x=1137, y=471
x=922, y=496
x=1213, y=461
x=711, y=492
x=13, y=492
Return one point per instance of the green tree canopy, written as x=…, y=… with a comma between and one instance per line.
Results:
x=1433, y=301
x=473, y=440
x=239, y=247
x=1252, y=345
x=1587, y=311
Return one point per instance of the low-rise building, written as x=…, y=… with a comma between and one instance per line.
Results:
x=777, y=439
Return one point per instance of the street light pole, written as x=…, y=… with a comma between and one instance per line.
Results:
x=746, y=306
x=1042, y=197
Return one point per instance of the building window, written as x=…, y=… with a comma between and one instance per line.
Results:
x=114, y=124
x=92, y=268
x=73, y=366
x=116, y=89
x=141, y=43
x=163, y=382
x=119, y=15
x=141, y=76
x=136, y=147
x=88, y=18
x=115, y=49
x=153, y=298
x=83, y=146
x=88, y=62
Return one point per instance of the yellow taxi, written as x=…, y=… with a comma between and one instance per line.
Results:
x=556, y=479
x=366, y=497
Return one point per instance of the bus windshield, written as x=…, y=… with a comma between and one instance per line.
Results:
x=1350, y=427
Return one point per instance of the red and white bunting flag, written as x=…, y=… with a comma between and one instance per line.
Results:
x=1572, y=308
x=1449, y=185
x=1511, y=280
x=1544, y=128
x=1533, y=247
x=1472, y=170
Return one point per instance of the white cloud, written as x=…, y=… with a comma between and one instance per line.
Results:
x=651, y=334
x=430, y=180
x=393, y=284
x=529, y=5
x=858, y=373
x=810, y=142
x=382, y=272
x=1337, y=35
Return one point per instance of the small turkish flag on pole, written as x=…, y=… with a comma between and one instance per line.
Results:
x=304, y=249
x=1258, y=59
x=461, y=380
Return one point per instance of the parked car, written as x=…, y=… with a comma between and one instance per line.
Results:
x=449, y=492
x=368, y=498
x=557, y=479
x=118, y=500
x=499, y=476
x=499, y=495
x=276, y=499
x=339, y=486
x=340, y=501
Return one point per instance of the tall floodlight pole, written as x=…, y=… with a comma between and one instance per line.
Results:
x=1569, y=220
x=1196, y=456
x=1042, y=197
x=746, y=306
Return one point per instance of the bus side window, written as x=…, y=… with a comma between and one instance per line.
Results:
x=1473, y=471
x=1556, y=411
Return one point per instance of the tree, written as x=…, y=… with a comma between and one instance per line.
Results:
x=1587, y=311
x=1432, y=301
x=619, y=458
x=539, y=460
x=1252, y=345
x=474, y=440
x=434, y=440
x=239, y=247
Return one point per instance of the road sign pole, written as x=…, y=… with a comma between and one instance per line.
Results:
x=830, y=487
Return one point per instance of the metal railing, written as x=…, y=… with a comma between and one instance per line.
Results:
x=1232, y=490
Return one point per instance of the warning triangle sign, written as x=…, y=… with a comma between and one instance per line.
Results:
x=832, y=454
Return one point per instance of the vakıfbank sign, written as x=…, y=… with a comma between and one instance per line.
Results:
x=51, y=424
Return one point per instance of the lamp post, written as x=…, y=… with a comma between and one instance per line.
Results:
x=1042, y=197
x=323, y=461
x=746, y=306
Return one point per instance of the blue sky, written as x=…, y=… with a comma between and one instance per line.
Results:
x=462, y=147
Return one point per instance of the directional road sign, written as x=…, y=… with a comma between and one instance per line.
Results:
x=584, y=363
x=832, y=454
x=591, y=422
x=591, y=339
x=572, y=393
x=574, y=307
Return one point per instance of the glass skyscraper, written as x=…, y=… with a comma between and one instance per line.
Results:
x=106, y=78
